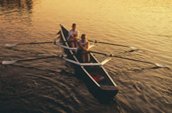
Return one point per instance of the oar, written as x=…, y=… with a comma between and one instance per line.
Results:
x=29, y=43
x=8, y=62
x=136, y=60
x=108, y=43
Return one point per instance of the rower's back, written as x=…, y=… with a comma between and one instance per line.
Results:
x=72, y=36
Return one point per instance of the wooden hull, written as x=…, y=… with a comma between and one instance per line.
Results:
x=104, y=89
x=101, y=93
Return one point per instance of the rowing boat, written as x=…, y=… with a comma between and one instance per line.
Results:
x=93, y=73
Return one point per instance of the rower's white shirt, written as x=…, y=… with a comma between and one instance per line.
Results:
x=71, y=33
x=83, y=44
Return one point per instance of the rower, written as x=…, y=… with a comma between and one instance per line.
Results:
x=72, y=38
x=83, y=47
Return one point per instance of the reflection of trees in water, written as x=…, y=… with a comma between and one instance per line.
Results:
x=16, y=11
x=17, y=4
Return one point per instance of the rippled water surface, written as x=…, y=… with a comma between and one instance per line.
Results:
x=50, y=86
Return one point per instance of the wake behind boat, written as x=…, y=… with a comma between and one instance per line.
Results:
x=93, y=73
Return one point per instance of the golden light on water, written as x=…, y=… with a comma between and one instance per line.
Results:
x=141, y=23
x=146, y=24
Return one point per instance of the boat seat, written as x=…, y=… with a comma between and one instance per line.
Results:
x=98, y=78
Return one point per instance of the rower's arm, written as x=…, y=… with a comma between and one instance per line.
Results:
x=76, y=35
x=68, y=36
x=87, y=46
x=80, y=46
x=77, y=32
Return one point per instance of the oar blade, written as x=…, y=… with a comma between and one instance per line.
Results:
x=133, y=48
x=106, y=60
x=10, y=45
x=91, y=46
x=161, y=66
x=9, y=62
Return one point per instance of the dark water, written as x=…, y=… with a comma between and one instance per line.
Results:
x=50, y=86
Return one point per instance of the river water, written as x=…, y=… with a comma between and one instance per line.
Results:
x=50, y=86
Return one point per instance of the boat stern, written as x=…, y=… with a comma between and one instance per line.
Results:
x=109, y=92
